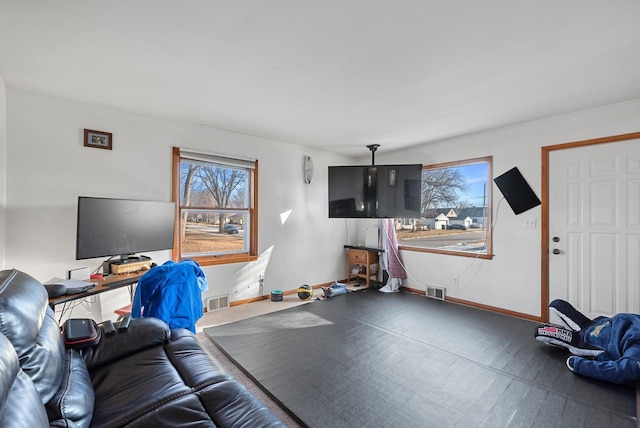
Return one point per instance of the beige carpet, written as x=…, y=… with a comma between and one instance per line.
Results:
x=236, y=313
x=249, y=310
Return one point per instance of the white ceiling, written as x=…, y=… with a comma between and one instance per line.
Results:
x=331, y=74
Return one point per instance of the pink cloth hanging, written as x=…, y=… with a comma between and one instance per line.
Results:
x=394, y=266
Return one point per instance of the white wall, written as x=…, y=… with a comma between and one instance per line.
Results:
x=3, y=168
x=512, y=279
x=48, y=168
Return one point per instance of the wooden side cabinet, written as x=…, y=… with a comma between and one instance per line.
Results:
x=366, y=261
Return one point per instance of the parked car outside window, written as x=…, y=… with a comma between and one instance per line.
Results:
x=457, y=226
x=230, y=228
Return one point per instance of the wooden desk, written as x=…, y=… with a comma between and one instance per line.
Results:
x=109, y=283
x=365, y=257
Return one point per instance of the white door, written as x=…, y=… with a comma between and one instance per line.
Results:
x=594, y=227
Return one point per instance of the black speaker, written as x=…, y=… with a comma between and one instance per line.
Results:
x=516, y=191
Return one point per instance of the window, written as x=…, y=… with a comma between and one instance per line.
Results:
x=217, y=208
x=456, y=211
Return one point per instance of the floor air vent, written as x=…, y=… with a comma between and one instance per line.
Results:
x=436, y=292
x=217, y=302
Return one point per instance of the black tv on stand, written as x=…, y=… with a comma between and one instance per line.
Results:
x=108, y=227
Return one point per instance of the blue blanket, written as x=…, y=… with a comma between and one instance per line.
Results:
x=619, y=337
x=173, y=293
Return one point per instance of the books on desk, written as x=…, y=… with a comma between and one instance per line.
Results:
x=73, y=286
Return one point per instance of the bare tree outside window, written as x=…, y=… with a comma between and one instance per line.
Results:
x=441, y=187
x=222, y=183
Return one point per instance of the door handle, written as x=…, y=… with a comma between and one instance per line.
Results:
x=556, y=251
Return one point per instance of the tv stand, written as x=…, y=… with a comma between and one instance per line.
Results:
x=109, y=283
x=366, y=259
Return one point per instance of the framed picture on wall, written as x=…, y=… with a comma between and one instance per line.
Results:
x=98, y=139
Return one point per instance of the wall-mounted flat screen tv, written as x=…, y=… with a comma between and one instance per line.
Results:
x=122, y=227
x=379, y=191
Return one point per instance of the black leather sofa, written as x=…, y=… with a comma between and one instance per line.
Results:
x=146, y=376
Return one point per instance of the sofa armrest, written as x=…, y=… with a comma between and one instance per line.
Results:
x=196, y=366
x=177, y=333
x=73, y=403
x=142, y=333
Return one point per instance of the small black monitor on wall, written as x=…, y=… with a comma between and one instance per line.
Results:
x=516, y=191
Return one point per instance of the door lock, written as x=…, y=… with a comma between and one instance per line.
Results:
x=556, y=251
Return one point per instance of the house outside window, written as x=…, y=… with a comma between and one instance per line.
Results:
x=456, y=211
x=216, y=199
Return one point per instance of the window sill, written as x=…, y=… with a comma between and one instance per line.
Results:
x=224, y=259
x=450, y=253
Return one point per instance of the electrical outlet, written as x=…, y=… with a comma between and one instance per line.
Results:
x=530, y=223
x=456, y=281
